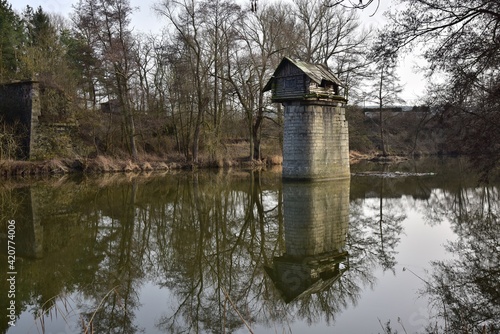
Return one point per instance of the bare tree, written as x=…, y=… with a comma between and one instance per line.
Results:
x=332, y=35
x=355, y=4
x=386, y=87
x=185, y=18
x=265, y=43
x=460, y=42
x=106, y=24
x=144, y=58
x=220, y=19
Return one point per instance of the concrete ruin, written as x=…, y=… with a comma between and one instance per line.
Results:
x=38, y=119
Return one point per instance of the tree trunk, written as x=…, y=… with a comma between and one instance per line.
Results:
x=252, y=144
x=196, y=143
x=382, y=139
x=126, y=112
x=381, y=117
x=256, y=137
x=133, y=146
x=197, y=132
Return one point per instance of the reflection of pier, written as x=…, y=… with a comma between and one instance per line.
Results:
x=22, y=207
x=316, y=219
x=42, y=213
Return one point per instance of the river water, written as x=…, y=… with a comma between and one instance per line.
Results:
x=403, y=248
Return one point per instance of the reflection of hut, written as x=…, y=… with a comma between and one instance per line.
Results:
x=316, y=219
x=40, y=118
x=297, y=278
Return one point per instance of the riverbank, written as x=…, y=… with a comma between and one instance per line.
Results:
x=105, y=164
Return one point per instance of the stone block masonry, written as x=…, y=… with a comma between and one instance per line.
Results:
x=315, y=134
x=315, y=140
x=19, y=110
x=316, y=216
x=41, y=118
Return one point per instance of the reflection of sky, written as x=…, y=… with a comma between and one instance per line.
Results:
x=269, y=200
x=63, y=318
x=156, y=302
x=392, y=296
x=396, y=295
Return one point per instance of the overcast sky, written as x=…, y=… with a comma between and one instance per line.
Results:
x=145, y=20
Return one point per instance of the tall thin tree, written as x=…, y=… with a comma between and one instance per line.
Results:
x=106, y=23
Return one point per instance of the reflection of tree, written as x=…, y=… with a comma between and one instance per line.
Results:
x=215, y=271
x=116, y=280
x=377, y=224
x=466, y=289
x=227, y=234
x=205, y=237
x=389, y=229
x=453, y=195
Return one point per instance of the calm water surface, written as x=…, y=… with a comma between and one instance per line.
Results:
x=411, y=245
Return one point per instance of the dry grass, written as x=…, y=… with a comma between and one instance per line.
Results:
x=275, y=160
x=26, y=168
x=64, y=306
x=103, y=164
x=234, y=154
x=356, y=156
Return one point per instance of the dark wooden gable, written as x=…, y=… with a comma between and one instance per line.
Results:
x=287, y=82
x=298, y=80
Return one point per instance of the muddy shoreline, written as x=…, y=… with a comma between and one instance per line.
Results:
x=106, y=164
x=102, y=164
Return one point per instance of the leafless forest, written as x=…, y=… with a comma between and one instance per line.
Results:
x=194, y=91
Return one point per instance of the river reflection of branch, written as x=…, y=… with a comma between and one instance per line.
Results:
x=203, y=236
x=208, y=238
x=230, y=236
x=466, y=290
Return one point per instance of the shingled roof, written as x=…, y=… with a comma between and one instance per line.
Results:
x=318, y=73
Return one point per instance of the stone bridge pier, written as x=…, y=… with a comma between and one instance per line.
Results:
x=315, y=140
x=315, y=136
